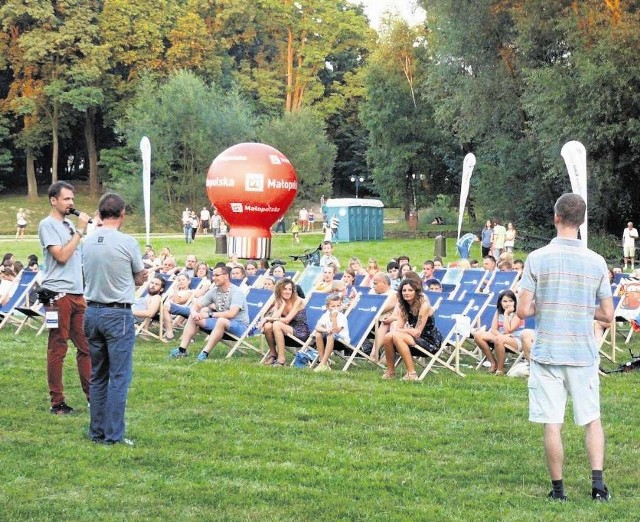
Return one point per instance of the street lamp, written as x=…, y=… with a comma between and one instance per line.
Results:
x=357, y=180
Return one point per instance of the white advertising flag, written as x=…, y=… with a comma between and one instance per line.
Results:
x=467, y=169
x=575, y=157
x=145, y=148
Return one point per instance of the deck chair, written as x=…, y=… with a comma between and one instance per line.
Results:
x=25, y=282
x=30, y=315
x=362, y=318
x=451, y=337
x=309, y=278
x=479, y=302
x=607, y=343
x=470, y=281
x=451, y=279
x=146, y=327
x=439, y=273
x=259, y=300
x=502, y=281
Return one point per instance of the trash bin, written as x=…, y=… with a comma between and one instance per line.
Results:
x=221, y=244
x=413, y=220
x=440, y=246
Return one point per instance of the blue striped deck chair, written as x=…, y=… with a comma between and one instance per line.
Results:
x=194, y=283
x=362, y=317
x=359, y=280
x=144, y=328
x=291, y=274
x=470, y=281
x=252, y=279
x=439, y=273
x=447, y=324
x=502, y=281
x=259, y=301
x=435, y=297
x=238, y=282
x=480, y=303
x=23, y=285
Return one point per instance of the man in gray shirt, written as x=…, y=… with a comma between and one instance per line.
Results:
x=222, y=309
x=113, y=267
x=63, y=275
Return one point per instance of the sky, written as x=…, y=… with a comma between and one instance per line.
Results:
x=406, y=8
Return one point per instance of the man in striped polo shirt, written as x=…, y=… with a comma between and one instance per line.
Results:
x=565, y=285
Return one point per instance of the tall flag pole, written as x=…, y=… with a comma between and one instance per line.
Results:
x=575, y=157
x=145, y=148
x=467, y=169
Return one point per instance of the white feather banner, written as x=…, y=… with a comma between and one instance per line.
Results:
x=575, y=158
x=467, y=169
x=145, y=149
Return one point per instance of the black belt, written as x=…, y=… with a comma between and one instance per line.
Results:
x=94, y=304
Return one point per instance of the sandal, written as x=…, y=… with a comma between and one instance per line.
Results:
x=278, y=364
x=388, y=375
x=270, y=360
x=498, y=372
x=411, y=376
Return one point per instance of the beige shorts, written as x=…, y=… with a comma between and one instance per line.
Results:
x=549, y=387
x=629, y=251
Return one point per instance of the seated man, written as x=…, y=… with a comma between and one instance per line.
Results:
x=222, y=309
x=168, y=269
x=190, y=265
x=382, y=286
x=177, y=303
x=148, y=306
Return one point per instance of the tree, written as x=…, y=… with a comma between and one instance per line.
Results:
x=188, y=123
x=405, y=147
x=301, y=137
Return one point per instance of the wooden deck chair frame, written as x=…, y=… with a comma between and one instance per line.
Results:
x=610, y=333
x=259, y=301
x=447, y=326
x=35, y=312
x=144, y=329
x=309, y=278
x=480, y=303
x=25, y=281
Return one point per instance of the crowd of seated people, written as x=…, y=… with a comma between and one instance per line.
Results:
x=394, y=328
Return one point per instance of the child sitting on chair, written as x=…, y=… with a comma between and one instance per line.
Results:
x=331, y=326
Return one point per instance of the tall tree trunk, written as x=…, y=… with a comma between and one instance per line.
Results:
x=92, y=152
x=408, y=194
x=32, y=184
x=55, y=145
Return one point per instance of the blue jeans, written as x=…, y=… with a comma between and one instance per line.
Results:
x=187, y=234
x=111, y=335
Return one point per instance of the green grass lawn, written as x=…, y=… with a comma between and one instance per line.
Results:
x=234, y=440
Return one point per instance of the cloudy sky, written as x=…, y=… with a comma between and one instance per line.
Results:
x=406, y=8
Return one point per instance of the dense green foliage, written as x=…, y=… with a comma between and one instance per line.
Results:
x=509, y=81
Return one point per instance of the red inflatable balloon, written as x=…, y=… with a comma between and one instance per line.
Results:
x=251, y=185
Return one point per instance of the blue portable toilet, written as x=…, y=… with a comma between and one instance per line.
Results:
x=359, y=219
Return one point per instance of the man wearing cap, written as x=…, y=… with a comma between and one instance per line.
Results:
x=112, y=267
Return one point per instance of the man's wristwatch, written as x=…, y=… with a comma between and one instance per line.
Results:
x=80, y=232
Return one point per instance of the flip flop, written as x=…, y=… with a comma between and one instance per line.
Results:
x=270, y=360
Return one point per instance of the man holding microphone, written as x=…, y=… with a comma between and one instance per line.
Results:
x=113, y=266
x=63, y=281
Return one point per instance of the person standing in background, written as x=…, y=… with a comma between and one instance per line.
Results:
x=629, y=237
x=60, y=242
x=498, y=238
x=566, y=286
x=21, y=223
x=112, y=266
x=205, y=216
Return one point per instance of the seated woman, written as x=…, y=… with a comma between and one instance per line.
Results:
x=177, y=303
x=413, y=325
x=505, y=332
x=287, y=316
x=203, y=272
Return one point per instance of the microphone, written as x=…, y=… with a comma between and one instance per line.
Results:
x=76, y=212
